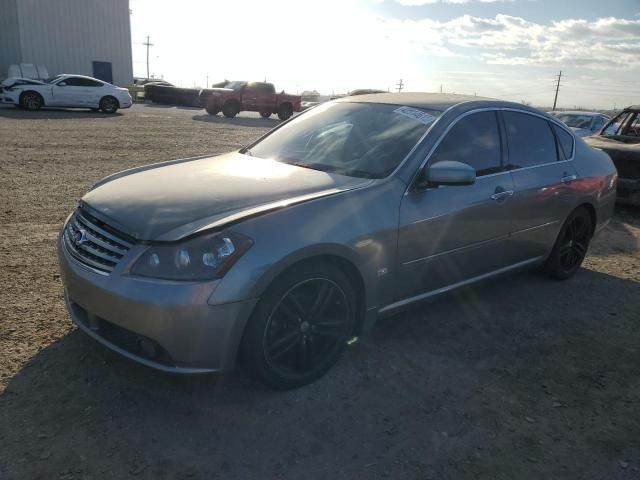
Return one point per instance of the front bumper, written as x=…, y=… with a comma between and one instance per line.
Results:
x=166, y=325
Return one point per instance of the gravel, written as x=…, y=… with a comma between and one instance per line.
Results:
x=523, y=378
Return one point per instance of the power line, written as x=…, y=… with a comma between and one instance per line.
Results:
x=555, y=100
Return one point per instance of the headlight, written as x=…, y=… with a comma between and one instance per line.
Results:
x=202, y=258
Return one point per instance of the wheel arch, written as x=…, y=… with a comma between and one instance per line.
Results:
x=592, y=213
x=335, y=257
x=22, y=94
x=338, y=255
x=109, y=96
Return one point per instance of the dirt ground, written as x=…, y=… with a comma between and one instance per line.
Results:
x=517, y=378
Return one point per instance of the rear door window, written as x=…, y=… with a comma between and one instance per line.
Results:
x=565, y=143
x=530, y=139
x=474, y=140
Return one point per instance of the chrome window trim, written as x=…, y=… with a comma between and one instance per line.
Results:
x=493, y=109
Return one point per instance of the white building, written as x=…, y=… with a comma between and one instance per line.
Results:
x=85, y=37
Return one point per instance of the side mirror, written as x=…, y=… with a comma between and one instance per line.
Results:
x=62, y=84
x=446, y=173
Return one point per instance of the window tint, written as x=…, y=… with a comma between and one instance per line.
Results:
x=565, y=142
x=262, y=87
x=71, y=81
x=530, y=139
x=85, y=82
x=474, y=140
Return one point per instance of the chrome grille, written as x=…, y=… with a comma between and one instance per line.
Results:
x=94, y=244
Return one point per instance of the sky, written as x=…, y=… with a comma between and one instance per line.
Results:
x=507, y=49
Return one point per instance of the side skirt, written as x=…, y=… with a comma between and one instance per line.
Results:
x=424, y=296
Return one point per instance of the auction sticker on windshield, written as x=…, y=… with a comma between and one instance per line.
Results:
x=416, y=114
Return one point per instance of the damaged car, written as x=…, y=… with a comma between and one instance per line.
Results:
x=620, y=139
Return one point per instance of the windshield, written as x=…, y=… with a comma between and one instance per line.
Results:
x=357, y=139
x=616, y=127
x=574, y=120
x=235, y=85
x=52, y=79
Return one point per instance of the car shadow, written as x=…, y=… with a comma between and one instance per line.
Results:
x=238, y=121
x=484, y=366
x=167, y=105
x=53, y=113
x=622, y=235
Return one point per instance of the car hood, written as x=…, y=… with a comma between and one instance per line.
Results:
x=166, y=202
x=7, y=82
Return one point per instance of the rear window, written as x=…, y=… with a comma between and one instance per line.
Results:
x=565, y=143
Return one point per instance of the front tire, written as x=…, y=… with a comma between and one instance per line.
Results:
x=300, y=326
x=109, y=104
x=31, y=101
x=230, y=109
x=571, y=245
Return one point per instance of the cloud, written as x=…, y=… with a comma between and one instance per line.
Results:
x=605, y=43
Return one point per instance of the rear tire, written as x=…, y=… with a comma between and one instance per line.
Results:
x=109, y=104
x=571, y=245
x=285, y=111
x=31, y=101
x=230, y=109
x=300, y=326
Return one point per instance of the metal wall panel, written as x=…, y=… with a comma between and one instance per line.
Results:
x=9, y=35
x=68, y=35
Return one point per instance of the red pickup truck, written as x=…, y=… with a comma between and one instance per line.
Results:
x=236, y=97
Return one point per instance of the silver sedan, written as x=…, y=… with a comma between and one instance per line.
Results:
x=282, y=253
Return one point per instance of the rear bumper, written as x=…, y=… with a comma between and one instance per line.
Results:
x=165, y=325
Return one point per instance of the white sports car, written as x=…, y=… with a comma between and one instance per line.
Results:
x=74, y=91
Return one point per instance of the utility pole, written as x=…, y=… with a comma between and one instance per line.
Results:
x=440, y=88
x=206, y=85
x=147, y=44
x=400, y=85
x=555, y=100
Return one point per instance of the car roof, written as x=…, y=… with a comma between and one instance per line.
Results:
x=430, y=101
x=67, y=75
x=578, y=112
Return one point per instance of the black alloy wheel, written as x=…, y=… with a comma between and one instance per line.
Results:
x=307, y=327
x=571, y=245
x=575, y=242
x=300, y=326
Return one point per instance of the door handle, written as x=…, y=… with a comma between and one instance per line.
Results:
x=503, y=194
x=568, y=178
